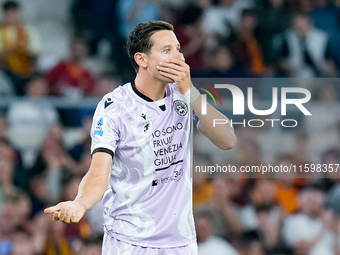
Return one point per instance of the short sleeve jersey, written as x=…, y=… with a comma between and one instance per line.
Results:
x=148, y=201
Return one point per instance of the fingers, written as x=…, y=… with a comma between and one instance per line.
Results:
x=168, y=75
x=62, y=214
x=179, y=62
x=67, y=217
x=75, y=218
x=168, y=70
x=56, y=215
x=67, y=212
x=52, y=209
x=174, y=64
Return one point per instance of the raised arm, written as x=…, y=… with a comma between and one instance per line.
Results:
x=221, y=135
x=90, y=191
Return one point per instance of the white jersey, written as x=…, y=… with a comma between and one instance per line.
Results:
x=149, y=198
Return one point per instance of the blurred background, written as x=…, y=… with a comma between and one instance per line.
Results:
x=58, y=58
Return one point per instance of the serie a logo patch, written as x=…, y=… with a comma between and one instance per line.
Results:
x=99, y=130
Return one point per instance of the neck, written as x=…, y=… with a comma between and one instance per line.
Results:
x=150, y=87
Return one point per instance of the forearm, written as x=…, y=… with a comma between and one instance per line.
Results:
x=222, y=135
x=91, y=189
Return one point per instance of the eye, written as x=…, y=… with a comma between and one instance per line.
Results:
x=166, y=51
x=179, y=49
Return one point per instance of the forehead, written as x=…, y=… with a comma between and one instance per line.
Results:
x=163, y=38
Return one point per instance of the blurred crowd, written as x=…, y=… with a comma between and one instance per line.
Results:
x=271, y=215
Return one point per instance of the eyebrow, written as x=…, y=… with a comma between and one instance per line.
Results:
x=170, y=45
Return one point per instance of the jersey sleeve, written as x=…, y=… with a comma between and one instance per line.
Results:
x=104, y=132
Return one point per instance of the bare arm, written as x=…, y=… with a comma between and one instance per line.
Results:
x=221, y=135
x=95, y=182
x=90, y=191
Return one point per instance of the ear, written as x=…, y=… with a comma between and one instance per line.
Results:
x=140, y=59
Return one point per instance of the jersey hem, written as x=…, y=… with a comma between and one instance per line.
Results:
x=149, y=244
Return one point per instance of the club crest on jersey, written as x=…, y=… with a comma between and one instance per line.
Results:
x=180, y=107
x=108, y=102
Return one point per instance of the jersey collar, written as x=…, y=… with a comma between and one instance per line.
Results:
x=148, y=99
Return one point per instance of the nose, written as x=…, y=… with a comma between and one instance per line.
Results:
x=182, y=57
x=179, y=55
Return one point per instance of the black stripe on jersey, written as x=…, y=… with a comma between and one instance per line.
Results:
x=148, y=99
x=108, y=151
x=174, y=163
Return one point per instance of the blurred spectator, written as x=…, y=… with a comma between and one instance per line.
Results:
x=330, y=183
x=70, y=78
x=285, y=188
x=13, y=216
x=249, y=153
x=250, y=243
x=328, y=124
x=41, y=192
x=7, y=166
x=330, y=178
x=105, y=84
x=202, y=190
x=223, y=17
x=245, y=47
x=263, y=194
x=22, y=244
x=304, y=51
x=98, y=20
x=207, y=241
x=56, y=241
x=326, y=17
x=310, y=231
x=34, y=115
x=19, y=46
x=133, y=12
x=192, y=39
x=6, y=86
x=273, y=18
x=300, y=153
x=53, y=167
x=223, y=65
x=12, y=172
x=77, y=151
x=269, y=228
x=227, y=212
x=3, y=127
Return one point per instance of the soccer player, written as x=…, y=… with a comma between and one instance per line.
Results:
x=141, y=152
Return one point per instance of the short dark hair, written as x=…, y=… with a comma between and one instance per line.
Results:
x=10, y=5
x=139, y=38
